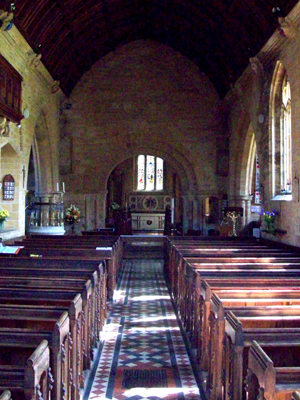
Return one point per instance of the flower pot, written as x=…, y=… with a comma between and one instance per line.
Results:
x=1, y=225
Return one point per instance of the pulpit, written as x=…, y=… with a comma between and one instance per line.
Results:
x=46, y=214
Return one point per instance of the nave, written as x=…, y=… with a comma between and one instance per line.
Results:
x=143, y=353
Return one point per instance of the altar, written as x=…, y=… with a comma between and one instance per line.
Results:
x=148, y=221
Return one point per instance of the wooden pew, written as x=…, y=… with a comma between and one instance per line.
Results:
x=17, y=341
x=28, y=380
x=37, y=268
x=252, y=322
x=238, y=338
x=253, y=296
x=59, y=278
x=110, y=249
x=176, y=266
x=63, y=268
x=213, y=264
x=186, y=296
x=259, y=313
x=213, y=301
x=73, y=254
x=73, y=286
x=42, y=318
x=81, y=352
x=273, y=375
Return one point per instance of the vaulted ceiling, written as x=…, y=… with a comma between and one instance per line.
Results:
x=218, y=35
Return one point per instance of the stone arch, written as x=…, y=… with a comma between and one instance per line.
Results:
x=243, y=150
x=184, y=171
x=274, y=125
x=239, y=150
x=36, y=179
x=247, y=161
x=168, y=153
x=145, y=97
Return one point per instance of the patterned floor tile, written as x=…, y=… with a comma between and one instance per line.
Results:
x=142, y=335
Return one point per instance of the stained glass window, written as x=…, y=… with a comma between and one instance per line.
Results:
x=141, y=172
x=150, y=161
x=159, y=173
x=150, y=173
x=257, y=198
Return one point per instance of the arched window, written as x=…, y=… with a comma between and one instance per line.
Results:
x=281, y=135
x=286, y=139
x=150, y=174
x=253, y=171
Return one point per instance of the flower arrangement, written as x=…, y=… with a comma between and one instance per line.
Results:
x=3, y=215
x=269, y=218
x=72, y=215
x=115, y=206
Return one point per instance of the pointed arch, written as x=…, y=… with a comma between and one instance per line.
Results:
x=280, y=135
x=42, y=155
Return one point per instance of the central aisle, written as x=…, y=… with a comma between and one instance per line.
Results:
x=143, y=354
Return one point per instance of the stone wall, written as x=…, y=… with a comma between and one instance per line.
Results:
x=41, y=126
x=249, y=106
x=147, y=98
x=144, y=98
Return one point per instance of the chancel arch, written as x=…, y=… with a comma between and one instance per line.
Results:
x=123, y=191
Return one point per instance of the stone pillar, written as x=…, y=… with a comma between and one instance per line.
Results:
x=244, y=202
x=196, y=214
x=201, y=201
x=185, y=214
x=248, y=210
x=101, y=207
x=95, y=210
x=191, y=214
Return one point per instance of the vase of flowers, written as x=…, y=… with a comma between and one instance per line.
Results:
x=72, y=216
x=3, y=215
x=115, y=206
x=269, y=219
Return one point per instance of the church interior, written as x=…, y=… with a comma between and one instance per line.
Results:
x=141, y=142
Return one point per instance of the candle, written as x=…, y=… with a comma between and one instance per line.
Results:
x=64, y=189
x=57, y=186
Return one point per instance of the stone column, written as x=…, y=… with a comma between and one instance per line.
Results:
x=186, y=211
x=95, y=210
x=101, y=207
x=196, y=214
x=244, y=202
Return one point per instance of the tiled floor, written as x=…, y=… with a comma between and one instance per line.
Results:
x=143, y=354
